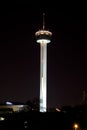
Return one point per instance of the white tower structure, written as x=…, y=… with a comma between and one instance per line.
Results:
x=43, y=37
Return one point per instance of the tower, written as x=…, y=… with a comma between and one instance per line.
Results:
x=43, y=37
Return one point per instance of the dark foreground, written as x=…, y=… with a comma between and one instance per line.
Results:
x=48, y=120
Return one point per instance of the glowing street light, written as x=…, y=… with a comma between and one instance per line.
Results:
x=76, y=126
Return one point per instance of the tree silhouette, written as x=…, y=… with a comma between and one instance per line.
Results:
x=33, y=104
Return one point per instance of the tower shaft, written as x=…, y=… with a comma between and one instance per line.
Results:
x=43, y=76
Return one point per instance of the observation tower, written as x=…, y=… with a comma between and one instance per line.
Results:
x=43, y=37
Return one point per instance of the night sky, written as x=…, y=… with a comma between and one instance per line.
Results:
x=20, y=55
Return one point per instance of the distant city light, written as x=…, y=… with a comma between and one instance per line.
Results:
x=57, y=109
x=2, y=118
x=8, y=103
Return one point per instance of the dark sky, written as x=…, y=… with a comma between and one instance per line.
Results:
x=20, y=55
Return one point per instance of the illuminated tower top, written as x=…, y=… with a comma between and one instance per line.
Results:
x=43, y=36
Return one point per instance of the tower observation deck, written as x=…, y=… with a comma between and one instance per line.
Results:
x=43, y=37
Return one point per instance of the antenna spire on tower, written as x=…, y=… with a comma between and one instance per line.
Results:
x=43, y=21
